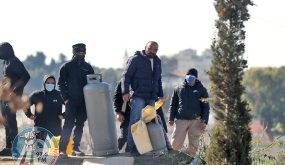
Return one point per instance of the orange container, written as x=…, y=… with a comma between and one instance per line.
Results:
x=54, y=149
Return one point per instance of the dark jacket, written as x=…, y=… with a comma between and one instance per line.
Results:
x=51, y=107
x=138, y=75
x=160, y=113
x=73, y=78
x=14, y=69
x=118, y=103
x=187, y=103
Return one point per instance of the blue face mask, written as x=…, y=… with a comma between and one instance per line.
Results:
x=190, y=79
x=49, y=87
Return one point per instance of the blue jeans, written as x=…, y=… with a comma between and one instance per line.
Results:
x=137, y=104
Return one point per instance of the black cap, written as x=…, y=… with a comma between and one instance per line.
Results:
x=193, y=72
x=80, y=47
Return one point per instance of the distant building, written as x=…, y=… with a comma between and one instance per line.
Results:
x=259, y=132
x=189, y=59
x=173, y=78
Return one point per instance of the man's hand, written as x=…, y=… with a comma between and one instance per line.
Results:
x=12, y=95
x=66, y=101
x=120, y=117
x=126, y=97
x=60, y=117
x=161, y=99
x=171, y=123
x=203, y=126
x=33, y=117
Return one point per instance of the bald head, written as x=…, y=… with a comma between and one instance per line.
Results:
x=151, y=48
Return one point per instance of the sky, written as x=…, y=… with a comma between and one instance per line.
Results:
x=110, y=27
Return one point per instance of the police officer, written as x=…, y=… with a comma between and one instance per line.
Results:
x=71, y=82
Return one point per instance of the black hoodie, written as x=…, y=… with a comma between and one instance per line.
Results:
x=51, y=107
x=13, y=69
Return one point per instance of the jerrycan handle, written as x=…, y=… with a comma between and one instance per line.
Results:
x=94, y=78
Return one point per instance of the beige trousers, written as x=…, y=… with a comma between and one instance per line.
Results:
x=181, y=128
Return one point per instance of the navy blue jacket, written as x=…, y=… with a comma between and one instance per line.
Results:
x=13, y=69
x=144, y=82
x=72, y=79
x=188, y=103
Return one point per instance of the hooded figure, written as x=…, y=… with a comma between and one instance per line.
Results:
x=13, y=69
x=17, y=76
x=48, y=106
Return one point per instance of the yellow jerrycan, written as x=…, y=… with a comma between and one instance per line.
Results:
x=158, y=104
x=141, y=137
x=149, y=112
x=139, y=129
x=54, y=150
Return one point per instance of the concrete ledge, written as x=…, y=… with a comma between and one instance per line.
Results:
x=171, y=158
x=110, y=161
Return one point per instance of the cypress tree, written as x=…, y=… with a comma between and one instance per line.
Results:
x=230, y=136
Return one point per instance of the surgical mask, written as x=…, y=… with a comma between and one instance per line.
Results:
x=49, y=87
x=190, y=79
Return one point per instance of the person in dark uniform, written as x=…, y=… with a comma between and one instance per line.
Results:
x=48, y=107
x=15, y=72
x=71, y=81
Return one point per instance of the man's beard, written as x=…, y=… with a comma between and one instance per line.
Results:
x=150, y=55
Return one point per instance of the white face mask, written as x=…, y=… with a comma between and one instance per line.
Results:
x=49, y=87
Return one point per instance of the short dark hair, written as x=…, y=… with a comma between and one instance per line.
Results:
x=151, y=42
x=193, y=72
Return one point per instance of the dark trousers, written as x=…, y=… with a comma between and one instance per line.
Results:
x=75, y=115
x=10, y=125
x=124, y=135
